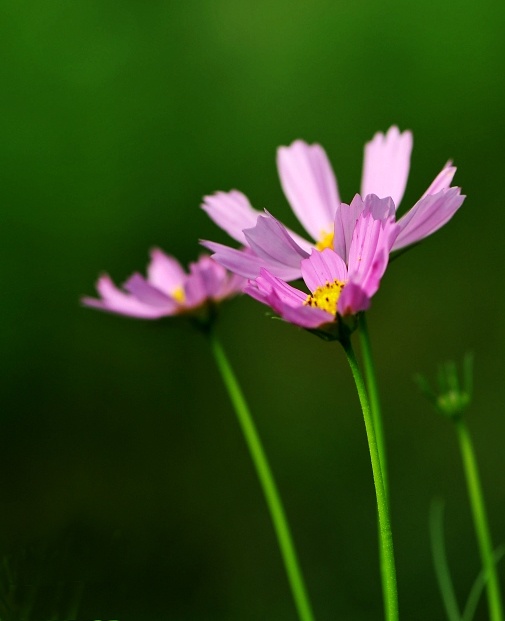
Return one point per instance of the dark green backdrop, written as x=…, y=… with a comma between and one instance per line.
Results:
x=122, y=466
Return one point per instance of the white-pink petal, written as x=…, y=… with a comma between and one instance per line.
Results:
x=231, y=211
x=427, y=216
x=165, y=272
x=386, y=164
x=116, y=301
x=442, y=181
x=310, y=186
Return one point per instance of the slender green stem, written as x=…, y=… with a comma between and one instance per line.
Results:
x=267, y=482
x=385, y=532
x=373, y=393
x=480, y=521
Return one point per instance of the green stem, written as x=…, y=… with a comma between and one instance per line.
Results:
x=480, y=521
x=385, y=532
x=267, y=482
x=373, y=393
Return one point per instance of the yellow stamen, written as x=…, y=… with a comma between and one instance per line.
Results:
x=178, y=295
x=326, y=241
x=326, y=297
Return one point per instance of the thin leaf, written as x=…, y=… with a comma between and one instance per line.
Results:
x=440, y=561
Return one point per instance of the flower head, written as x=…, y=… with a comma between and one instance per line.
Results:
x=311, y=188
x=168, y=289
x=340, y=285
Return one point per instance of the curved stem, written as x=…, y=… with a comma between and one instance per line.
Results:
x=480, y=521
x=373, y=394
x=267, y=482
x=385, y=532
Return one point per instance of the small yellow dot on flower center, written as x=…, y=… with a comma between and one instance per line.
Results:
x=178, y=295
x=326, y=297
x=326, y=241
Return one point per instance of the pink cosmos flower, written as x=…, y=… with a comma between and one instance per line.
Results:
x=168, y=289
x=311, y=188
x=339, y=284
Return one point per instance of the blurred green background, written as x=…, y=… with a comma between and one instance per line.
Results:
x=122, y=466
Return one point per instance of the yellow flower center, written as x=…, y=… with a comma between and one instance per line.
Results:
x=179, y=295
x=326, y=241
x=326, y=297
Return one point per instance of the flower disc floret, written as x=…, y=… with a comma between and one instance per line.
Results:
x=325, y=297
x=325, y=241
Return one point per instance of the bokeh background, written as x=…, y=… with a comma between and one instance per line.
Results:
x=125, y=483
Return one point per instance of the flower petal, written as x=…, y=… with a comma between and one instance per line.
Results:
x=309, y=185
x=164, y=272
x=427, y=216
x=138, y=286
x=345, y=221
x=286, y=301
x=370, y=247
x=386, y=165
x=116, y=301
x=352, y=300
x=211, y=274
x=270, y=240
x=209, y=280
x=306, y=316
x=231, y=211
x=240, y=262
x=266, y=283
x=247, y=264
x=323, y=267
x=442, y=181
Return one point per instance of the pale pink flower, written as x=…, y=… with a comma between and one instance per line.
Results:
x=339, y=285
x=168, y=289
x=311, y=188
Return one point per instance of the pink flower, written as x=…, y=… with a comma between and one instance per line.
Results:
x=340, y=285
x=168, y=289
x=311, y=188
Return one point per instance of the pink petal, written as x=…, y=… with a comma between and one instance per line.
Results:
x=270, y=240
x=309, y=185
x=231, y=211
x=195, y=290
x=286, y=301
x=387, y=163
x=241, y=262
x=115, y=301
x=369, y=255
x=138, y=286
x=164, y=272
x=286, y=293
x=442, y=181
x=352, y=300
x=372, y=238
x=323, y=267
x=211, y=274
x=345, y=222
x=427, y=216
x=247, y=264
x=380, y=208
x=306, y=316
